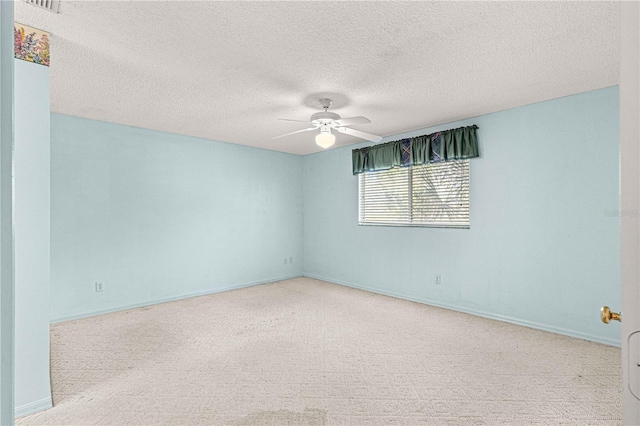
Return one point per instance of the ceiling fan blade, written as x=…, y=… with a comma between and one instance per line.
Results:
x=359, y=134
x=297, y=121
x=293, y=133
x=353, y=120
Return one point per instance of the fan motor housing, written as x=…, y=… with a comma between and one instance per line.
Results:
x=324, y=116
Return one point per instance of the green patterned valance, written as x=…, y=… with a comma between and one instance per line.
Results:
x=454, y=144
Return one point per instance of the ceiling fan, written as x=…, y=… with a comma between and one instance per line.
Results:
x=325, y=121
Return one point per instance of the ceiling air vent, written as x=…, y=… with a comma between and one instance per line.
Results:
x=50, y=5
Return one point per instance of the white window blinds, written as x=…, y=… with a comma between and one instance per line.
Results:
x=435, y=194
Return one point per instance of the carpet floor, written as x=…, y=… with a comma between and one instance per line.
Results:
x=303, y=351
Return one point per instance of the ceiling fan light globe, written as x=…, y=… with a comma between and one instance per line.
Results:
x=325, y=140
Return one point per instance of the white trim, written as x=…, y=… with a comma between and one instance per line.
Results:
x=503, y=318
x=33, y=407
x=168, y=299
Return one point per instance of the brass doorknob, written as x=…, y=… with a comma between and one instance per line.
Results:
x=606, y=315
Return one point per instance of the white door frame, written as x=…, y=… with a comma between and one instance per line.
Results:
x=629, y=198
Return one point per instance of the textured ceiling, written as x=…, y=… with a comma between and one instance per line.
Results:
x=227, y=71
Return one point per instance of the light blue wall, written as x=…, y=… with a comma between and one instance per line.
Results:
x=542, y=249
x=32, y=231
x=7, y=296
x=157, y=216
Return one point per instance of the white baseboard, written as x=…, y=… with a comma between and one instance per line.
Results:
x=168, y=299
x=512, y=320
x=33, y=407
x=517, y=321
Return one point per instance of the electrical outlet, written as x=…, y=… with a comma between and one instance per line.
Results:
x=291, y=260
x=438, y=279
x=99, y=287
x=285, y=260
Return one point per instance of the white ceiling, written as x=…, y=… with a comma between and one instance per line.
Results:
x=227, y=71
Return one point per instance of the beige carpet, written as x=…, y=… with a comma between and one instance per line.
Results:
x=304, y=351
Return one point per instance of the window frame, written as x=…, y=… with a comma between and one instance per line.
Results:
x=411, y=223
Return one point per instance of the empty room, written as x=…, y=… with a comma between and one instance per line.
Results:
x=310, y=213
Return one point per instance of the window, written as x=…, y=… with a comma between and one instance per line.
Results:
x=434, y=195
